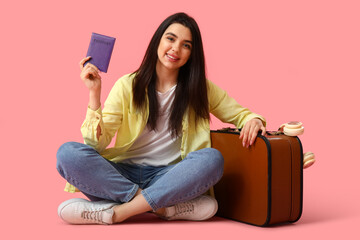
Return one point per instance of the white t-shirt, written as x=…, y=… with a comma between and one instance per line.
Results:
x=157, y=148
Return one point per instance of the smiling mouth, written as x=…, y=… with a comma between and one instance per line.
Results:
x=171, y=57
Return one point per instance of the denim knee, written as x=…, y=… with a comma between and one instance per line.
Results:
x=215, y=162
x=65, y=156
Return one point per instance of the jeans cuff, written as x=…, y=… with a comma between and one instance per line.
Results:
x=149, y=200
x=131, y=194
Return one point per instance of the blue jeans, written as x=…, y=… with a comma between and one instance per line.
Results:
x=99, y=178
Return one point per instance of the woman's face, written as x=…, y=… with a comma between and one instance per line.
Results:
x=175, y=47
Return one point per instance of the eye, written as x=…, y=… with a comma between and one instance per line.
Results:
x=171, y=39
x=188, y=46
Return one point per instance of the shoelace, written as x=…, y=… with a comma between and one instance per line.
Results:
x=184, y=208
x=92, y=215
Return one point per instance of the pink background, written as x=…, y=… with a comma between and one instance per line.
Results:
x=287, y=60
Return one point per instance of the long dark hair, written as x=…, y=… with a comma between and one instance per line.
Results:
x=191, y=90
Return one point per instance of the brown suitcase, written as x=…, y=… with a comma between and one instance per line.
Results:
x=262, y=185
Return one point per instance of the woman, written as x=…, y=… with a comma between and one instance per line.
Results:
x=162, y=160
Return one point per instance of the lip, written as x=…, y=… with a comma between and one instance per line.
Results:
x=172, y=58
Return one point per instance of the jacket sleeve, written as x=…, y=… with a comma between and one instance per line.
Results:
x=108, y=120
x=227, y=109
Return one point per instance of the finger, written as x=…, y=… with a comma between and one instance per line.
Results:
x=95, y=71
x=245, y=135
x=85, y=73
x=94, y=75
x=263, y=130
x=253, y=128
x=88, y=66
x=97, y=75
x=242, y=131
x=89, y=73
x=241, y=134
x=82, y=62
x=254, y=134
x=93, y=67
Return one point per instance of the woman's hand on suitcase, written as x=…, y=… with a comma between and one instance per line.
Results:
x=250, y=130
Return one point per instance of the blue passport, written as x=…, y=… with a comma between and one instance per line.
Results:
x=100, y=50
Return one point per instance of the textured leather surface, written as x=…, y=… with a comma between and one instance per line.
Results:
x=261, y=185
x=100, y=49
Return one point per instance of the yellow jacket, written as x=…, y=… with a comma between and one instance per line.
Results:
x=120, y=117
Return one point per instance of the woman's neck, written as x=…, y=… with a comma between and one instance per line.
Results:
x=166, y=78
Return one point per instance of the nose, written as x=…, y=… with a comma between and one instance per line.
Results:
x=175, y=47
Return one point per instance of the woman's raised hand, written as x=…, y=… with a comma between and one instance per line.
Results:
x=92, y=79
x=90, y=75
x=250, y=130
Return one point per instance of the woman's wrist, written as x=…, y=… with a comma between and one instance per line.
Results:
x=94, y=100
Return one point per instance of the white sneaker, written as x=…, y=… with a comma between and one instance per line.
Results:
x=81, y=211
x=197, y=209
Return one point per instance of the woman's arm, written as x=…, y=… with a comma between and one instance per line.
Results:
x=92, y=79
x=97, y=129
x=228, y=110
x=94, y=104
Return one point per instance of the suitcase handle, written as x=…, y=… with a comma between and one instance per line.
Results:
x=229, y=129
x=238, y=130
x=290, y=129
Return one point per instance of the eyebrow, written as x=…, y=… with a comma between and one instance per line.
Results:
x=172, y=34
